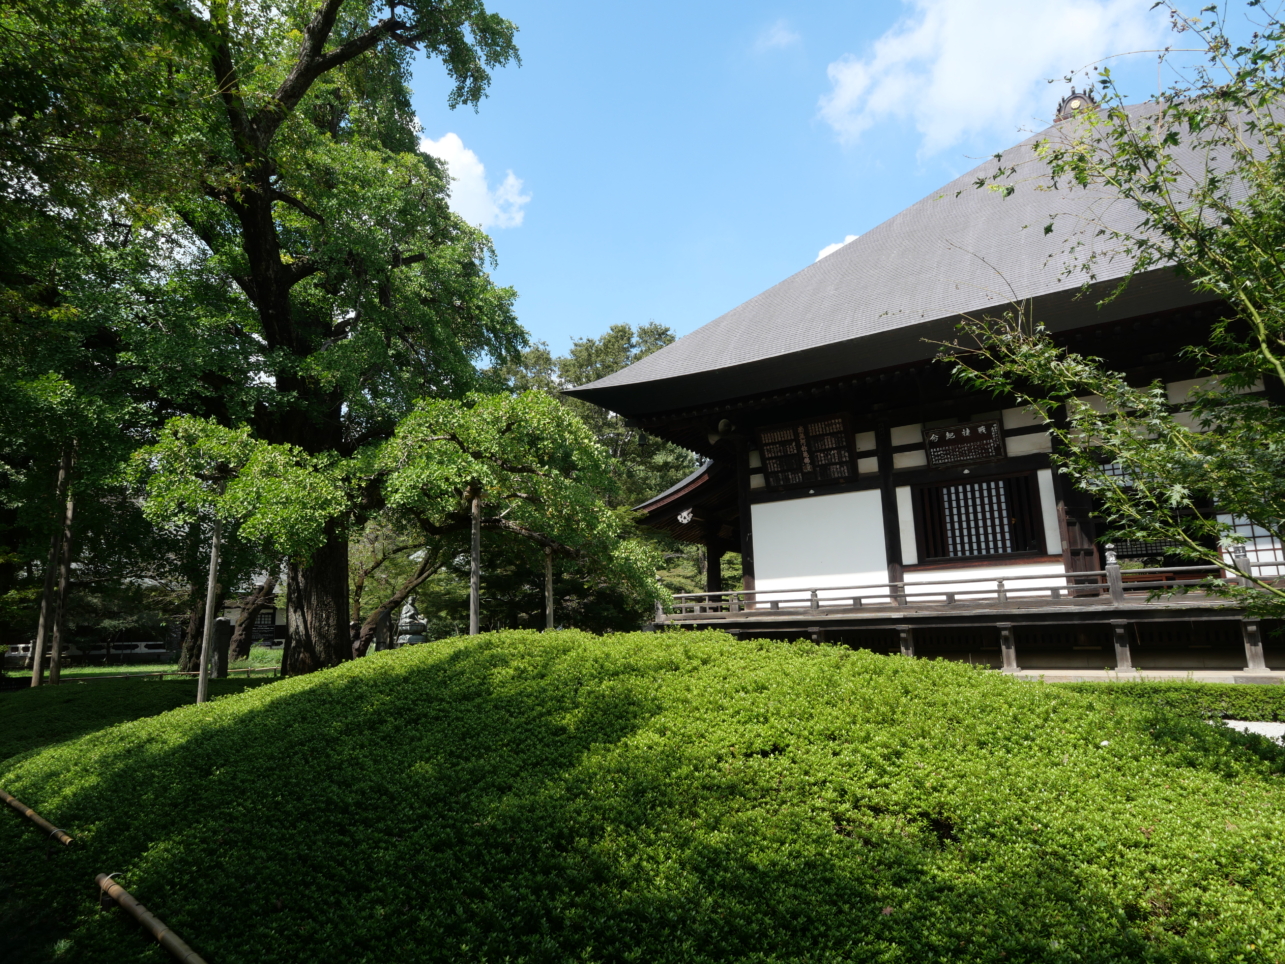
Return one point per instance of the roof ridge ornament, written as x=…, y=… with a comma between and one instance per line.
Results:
x=1072, y=104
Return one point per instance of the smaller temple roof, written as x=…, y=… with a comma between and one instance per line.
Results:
x=696, y=509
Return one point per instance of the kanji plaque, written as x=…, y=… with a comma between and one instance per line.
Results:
x=960, y=444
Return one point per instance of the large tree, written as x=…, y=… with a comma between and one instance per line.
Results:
x=298, y=268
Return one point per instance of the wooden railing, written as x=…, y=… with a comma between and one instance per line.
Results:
x=1107, y=587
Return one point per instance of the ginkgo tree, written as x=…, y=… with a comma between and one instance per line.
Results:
x=519, y=467
x=277, y=498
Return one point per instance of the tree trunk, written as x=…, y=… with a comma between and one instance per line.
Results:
x=51, y=564
x=46, y=611
x=60, y=604
x=251, y=606
x=317, y=607
x=190, y=650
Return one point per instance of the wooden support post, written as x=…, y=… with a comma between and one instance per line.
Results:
x=1007, y=648
x=818, y=634
x=745, y=516
x=46, y=609
x=888, y=505
x=1123, y=655
x=906, y=637
x=57, y=639
x=713, y=567
x=548, y=589
x=1115, y=584
x=211, y=603
x=475, y=567
x=1254, y=660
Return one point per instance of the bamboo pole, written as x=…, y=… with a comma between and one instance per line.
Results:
x=211, y=591
x=60, y=835
x=164, y=936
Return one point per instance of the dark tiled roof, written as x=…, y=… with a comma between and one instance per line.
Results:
x=871, y=304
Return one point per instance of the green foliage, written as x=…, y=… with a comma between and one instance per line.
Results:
x=645, y=465
x=278, y=495
x=1204, y=170
x=539, y=472
x=662, y=797
x=1193, y=701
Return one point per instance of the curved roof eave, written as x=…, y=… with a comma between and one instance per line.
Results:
x=873, y=303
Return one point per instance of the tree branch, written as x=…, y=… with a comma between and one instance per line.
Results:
x=312, y=63
x=298, y=205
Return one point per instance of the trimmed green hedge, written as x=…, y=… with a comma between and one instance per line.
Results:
x=1193, y=700
x=671, y=797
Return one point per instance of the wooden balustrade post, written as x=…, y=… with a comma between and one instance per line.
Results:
x=815, y=603
x=1115, y=584
x=1001, y=594
x=1253, y=646
x=1007, y=648
x=1123, y=655
x=1240, y=560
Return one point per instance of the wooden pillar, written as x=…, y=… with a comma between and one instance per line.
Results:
x=548, y=587
x=888, y=501
x=906, y=637
x=743, y=509
x=713, y=567
x=1123, y=655
x=475, y=567
x=1254, y=660
x=1007, y=648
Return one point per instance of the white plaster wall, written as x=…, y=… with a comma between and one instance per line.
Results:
x=1027, y=444
x=1048, y=509
x=825, y=541
x=906, y=522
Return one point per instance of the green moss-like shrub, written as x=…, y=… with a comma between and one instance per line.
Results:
x=1193, y=700
x=672, y=797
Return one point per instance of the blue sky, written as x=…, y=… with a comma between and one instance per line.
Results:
x=666, y=161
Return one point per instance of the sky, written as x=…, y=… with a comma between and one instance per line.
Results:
x=667, y=161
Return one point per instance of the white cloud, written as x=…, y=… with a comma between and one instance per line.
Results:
x=471, y=197
x=775, y=37
x=958, y=68
x=832, y=248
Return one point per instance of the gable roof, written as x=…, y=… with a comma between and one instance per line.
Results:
x=871, y=304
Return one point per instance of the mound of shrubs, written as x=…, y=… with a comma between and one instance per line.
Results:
x=681, y=797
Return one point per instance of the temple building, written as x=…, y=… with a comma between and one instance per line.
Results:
x=876, y=501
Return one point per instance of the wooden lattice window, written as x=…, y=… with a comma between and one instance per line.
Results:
x=265, y=625
x=817, y=450
x=989, y=517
